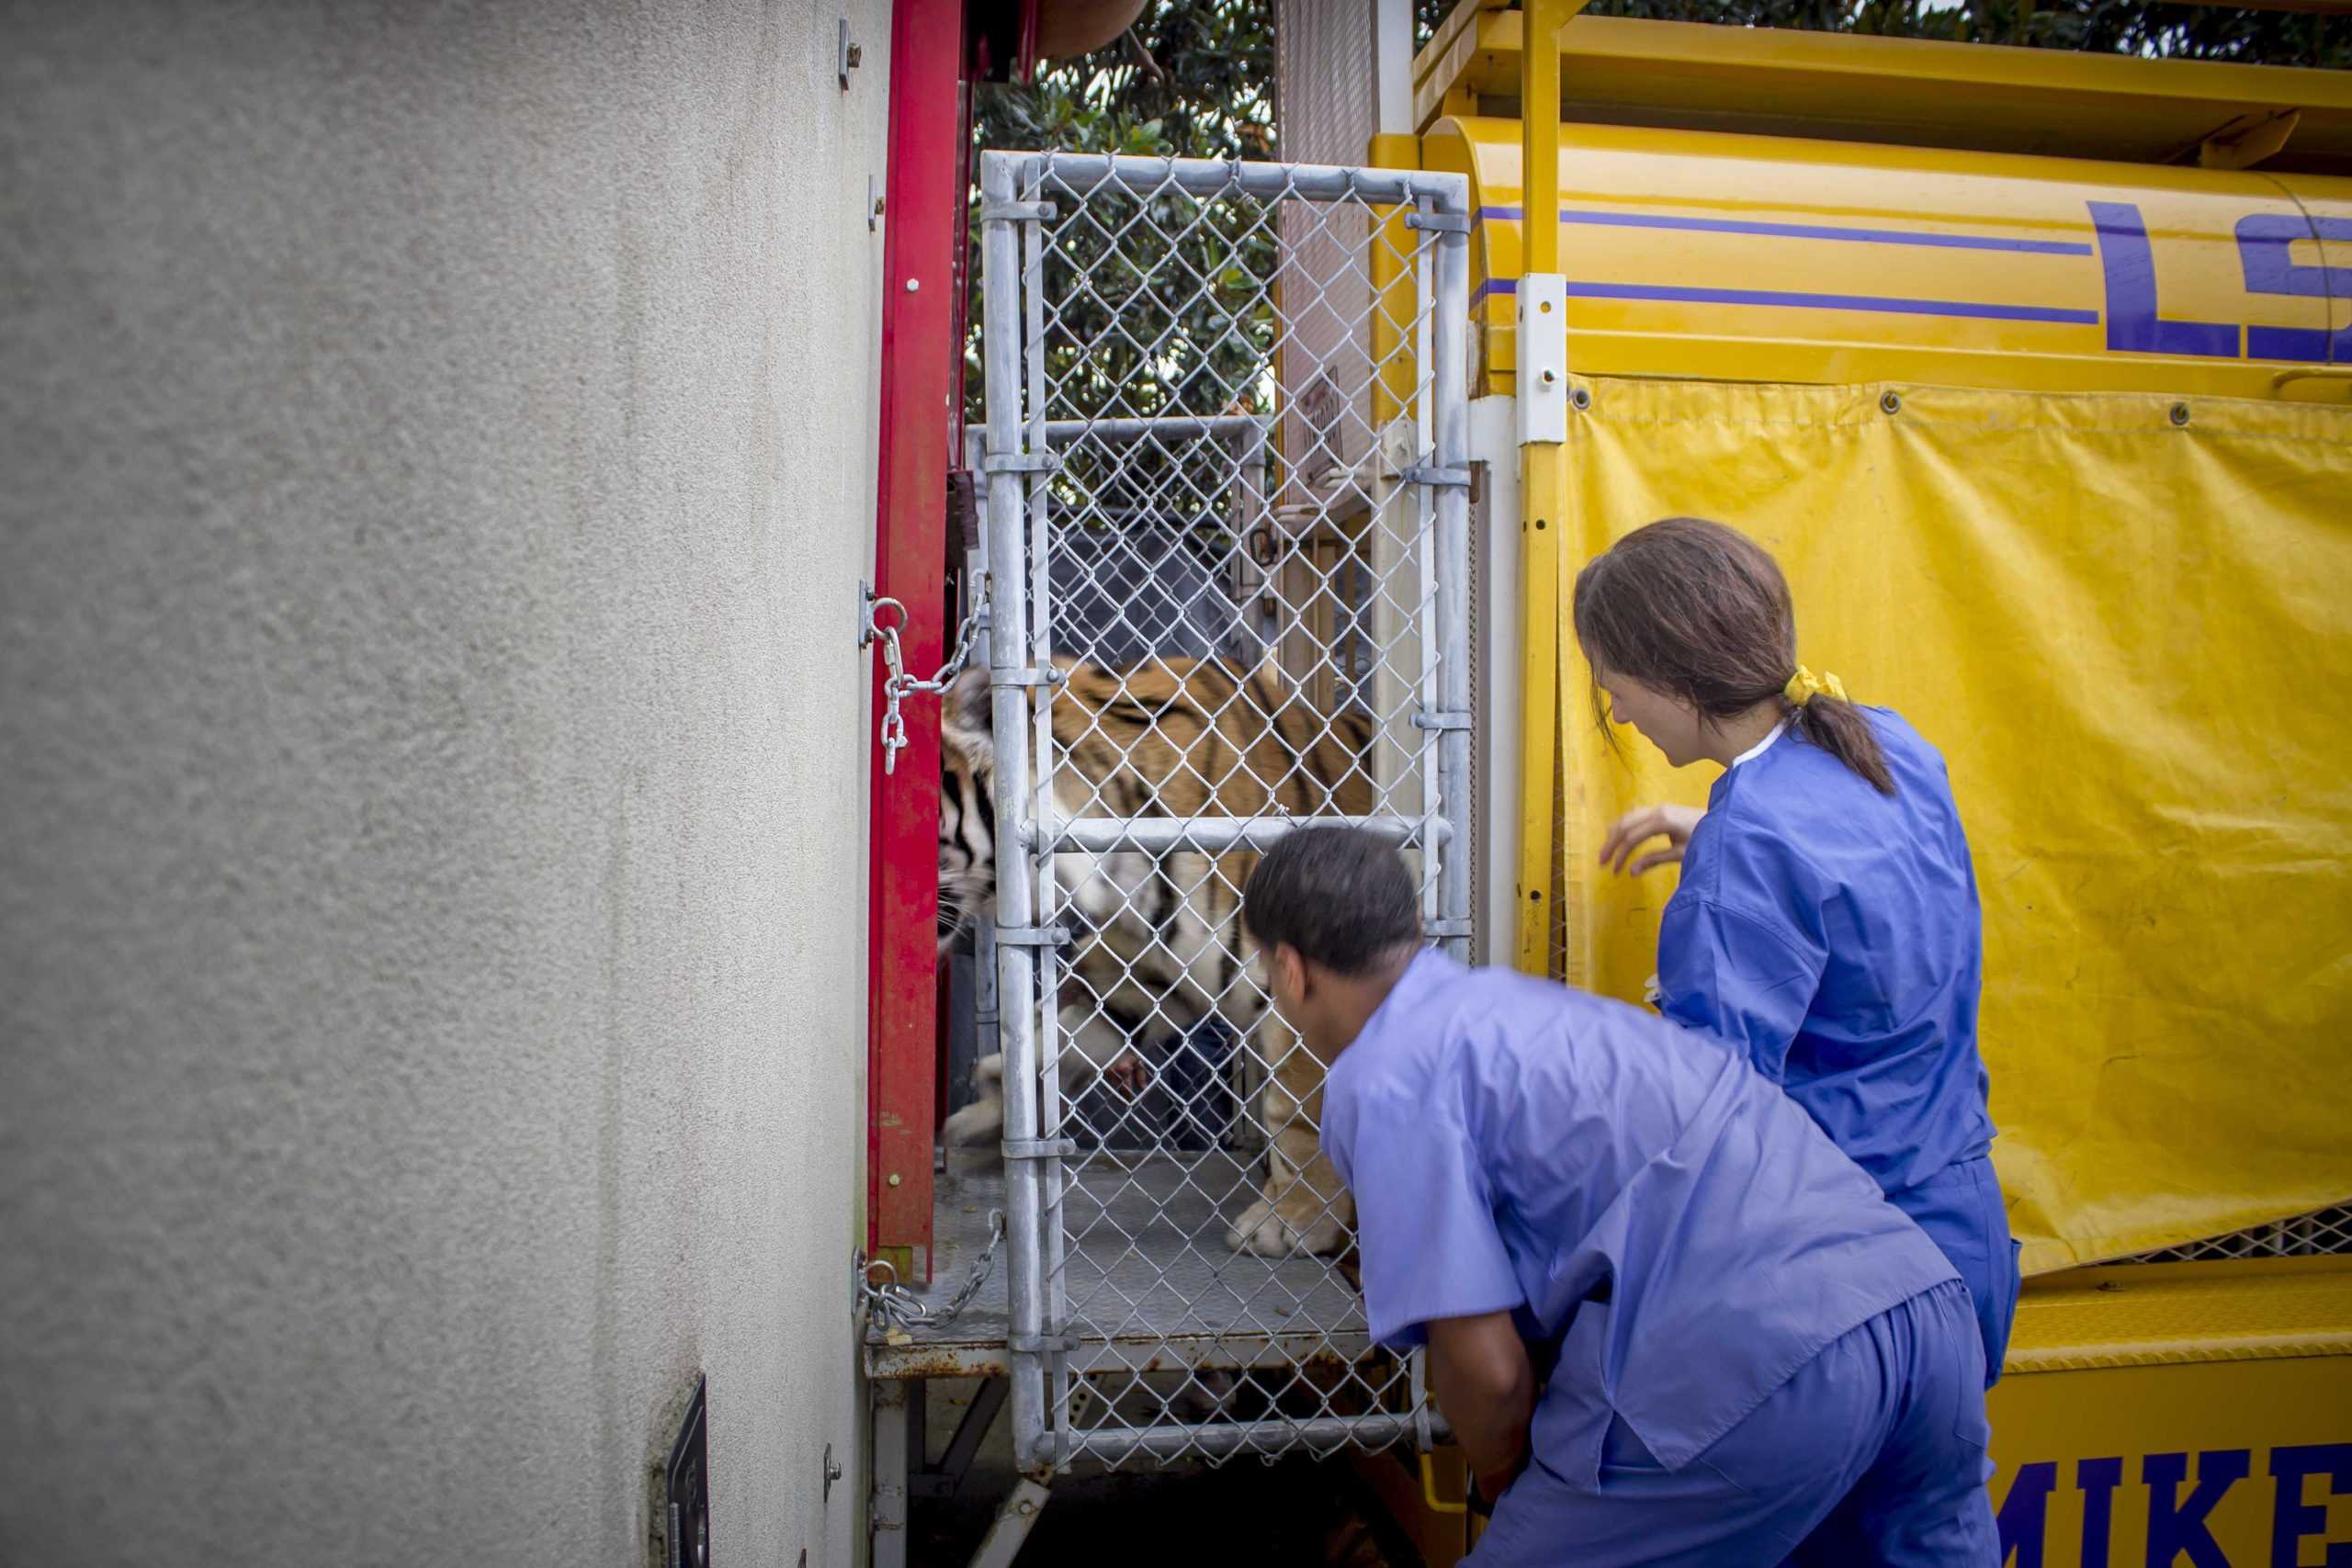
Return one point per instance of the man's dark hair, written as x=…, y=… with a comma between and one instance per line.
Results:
x=1340, y=895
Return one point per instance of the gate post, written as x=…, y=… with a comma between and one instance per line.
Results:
x=1450, y=422
x=1016, y=901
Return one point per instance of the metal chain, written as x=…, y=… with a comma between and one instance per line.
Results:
x=903, y=1309
x=899, y=685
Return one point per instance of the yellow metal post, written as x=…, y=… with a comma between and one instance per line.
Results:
x=1542, y=488
x=1395, y=305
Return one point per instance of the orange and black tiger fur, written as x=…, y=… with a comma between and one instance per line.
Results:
x=1157, y=941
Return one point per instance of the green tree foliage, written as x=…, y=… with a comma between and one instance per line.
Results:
x=2105, y=27
x=1192, y=77
x=1172, y=316
x=1195, y=78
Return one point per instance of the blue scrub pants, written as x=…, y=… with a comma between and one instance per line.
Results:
x=1961, y=1209
x=1871, y=1452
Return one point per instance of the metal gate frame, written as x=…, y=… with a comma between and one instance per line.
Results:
x=1028, y=832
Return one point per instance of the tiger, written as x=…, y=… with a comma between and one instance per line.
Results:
x=1159, y=938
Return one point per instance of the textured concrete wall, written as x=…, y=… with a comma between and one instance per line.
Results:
x=435, y=466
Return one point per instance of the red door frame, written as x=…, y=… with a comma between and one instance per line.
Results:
x=921, y=429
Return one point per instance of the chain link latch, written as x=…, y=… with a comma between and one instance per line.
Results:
x=902, y=1310
x=897, y=685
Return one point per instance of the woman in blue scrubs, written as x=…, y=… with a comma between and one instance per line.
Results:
x=1827, y=924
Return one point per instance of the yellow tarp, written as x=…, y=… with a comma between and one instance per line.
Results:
x=2133, y=640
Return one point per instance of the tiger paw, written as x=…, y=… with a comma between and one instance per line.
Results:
x=976, y=1122
x=1267, y=1231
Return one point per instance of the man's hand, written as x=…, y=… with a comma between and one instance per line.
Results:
x=1641, y=825
x=1483, y=1382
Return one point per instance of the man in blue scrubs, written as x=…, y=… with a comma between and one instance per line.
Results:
x=1753, y=1356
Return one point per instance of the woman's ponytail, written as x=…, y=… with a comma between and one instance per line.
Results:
x=1843, y=730
x=1836, y=726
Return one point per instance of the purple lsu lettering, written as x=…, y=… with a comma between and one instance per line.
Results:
x=2134, y=325
x=2176, y=1522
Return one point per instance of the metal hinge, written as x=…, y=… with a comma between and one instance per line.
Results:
x=1442, y=721
x=1439, y=222
x=1021, y=462
x=1041, y=1343
x=1038, y=1148
x=1446, y=928
x=1044, y=675
x=1431, y=474
x=1032, y=936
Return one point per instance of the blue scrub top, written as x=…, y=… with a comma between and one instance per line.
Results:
x=1516, y=1145
x=1832, y=935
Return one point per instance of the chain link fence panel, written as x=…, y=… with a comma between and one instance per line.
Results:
x=1203, y=636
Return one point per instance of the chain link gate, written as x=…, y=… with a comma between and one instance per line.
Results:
x=1174, y=1242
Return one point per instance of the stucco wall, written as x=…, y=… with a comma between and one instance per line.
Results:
x=435, y=466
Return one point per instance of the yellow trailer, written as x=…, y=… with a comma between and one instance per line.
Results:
x=2035, y=371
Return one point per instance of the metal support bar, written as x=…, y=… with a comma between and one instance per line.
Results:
x=1208, y=177
x=1417, y=1370
x=1012, y=1526
x=1542, y=500
x=1176, y=426
x=918, y=1432
x=890, y=1477
x=970, y=1432
x=1325, y=1432
x=1225, y=835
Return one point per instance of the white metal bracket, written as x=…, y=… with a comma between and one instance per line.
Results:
x=847, y=56
x=1542, y=359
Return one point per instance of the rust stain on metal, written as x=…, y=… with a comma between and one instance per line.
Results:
x=934, y=1363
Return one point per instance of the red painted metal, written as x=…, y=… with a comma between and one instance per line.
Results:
x=923, y=227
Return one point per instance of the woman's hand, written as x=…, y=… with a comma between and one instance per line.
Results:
x=1641, y=825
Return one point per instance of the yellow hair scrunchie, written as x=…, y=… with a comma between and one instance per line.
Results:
x=1804, y=685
